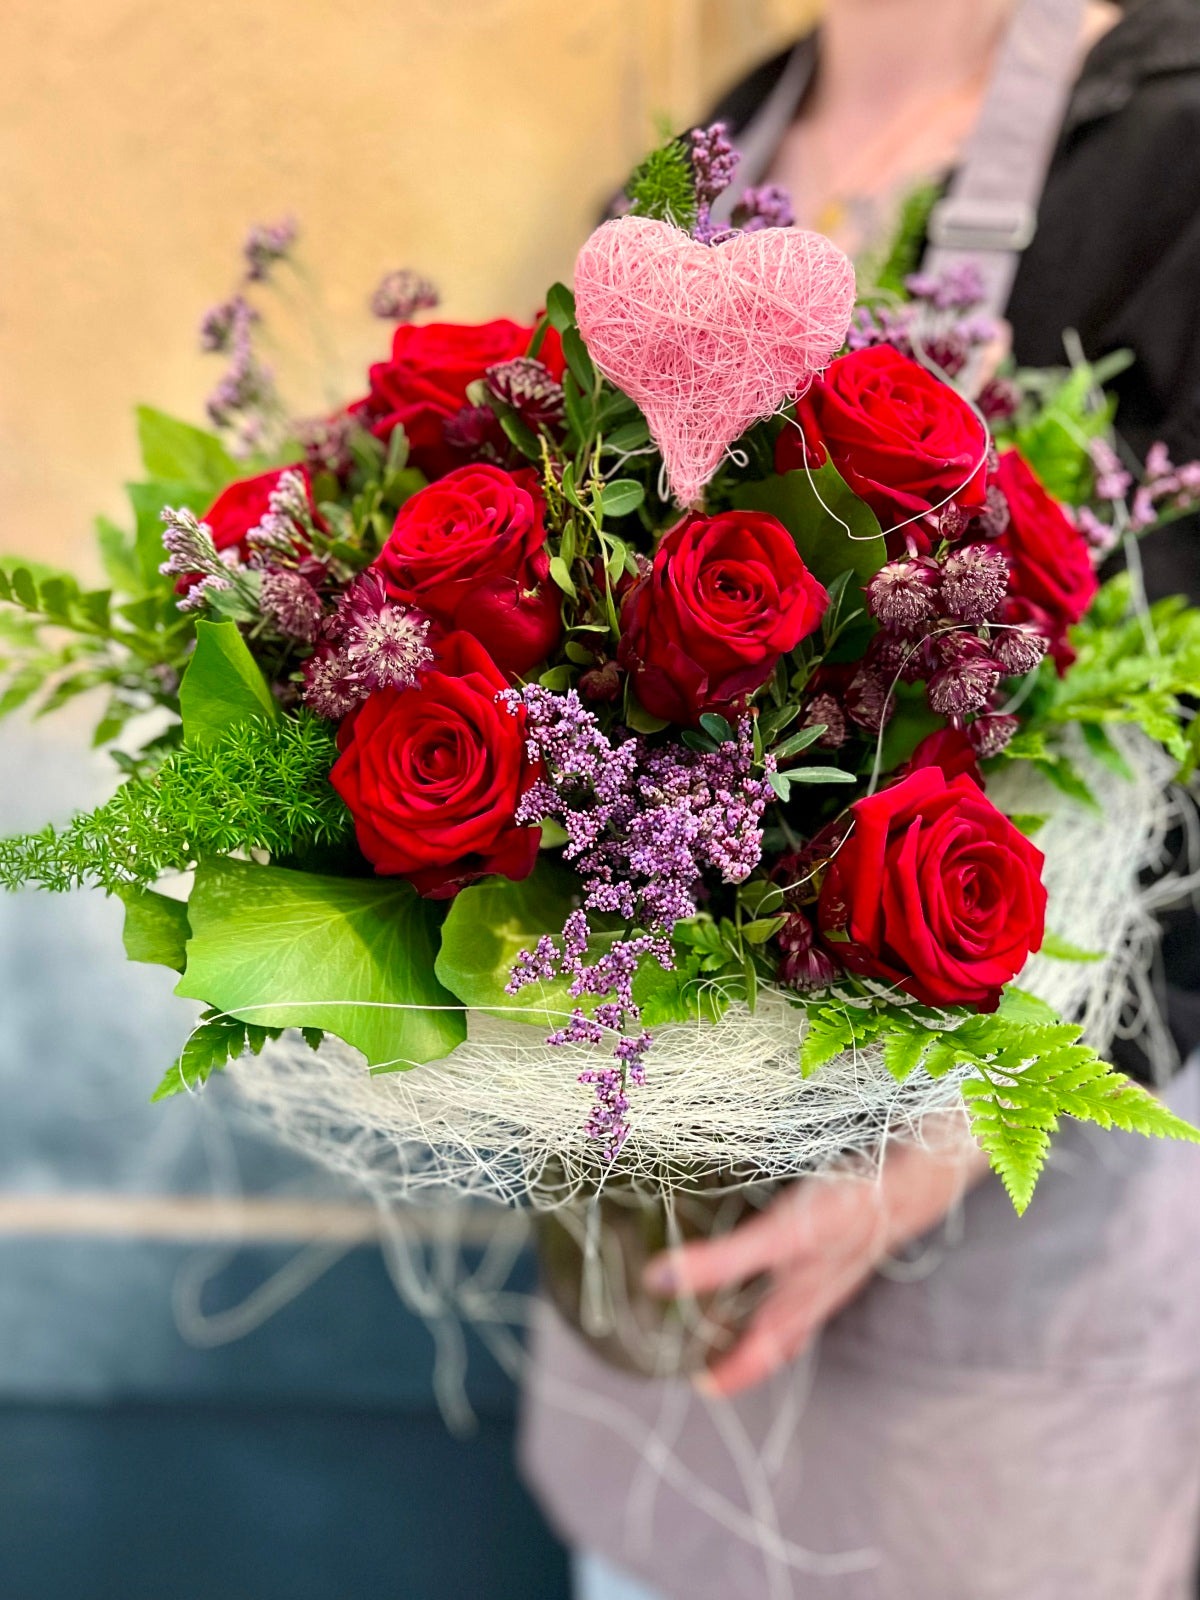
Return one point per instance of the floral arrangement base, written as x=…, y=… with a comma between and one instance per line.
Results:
x=592, y=1254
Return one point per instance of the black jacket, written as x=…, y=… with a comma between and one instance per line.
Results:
x=1116, y=256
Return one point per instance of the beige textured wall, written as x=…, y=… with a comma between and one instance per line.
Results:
x=472, y=139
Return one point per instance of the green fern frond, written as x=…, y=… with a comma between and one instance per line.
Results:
x=261, y=785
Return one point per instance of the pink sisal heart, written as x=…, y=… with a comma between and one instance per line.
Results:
x=709, y=338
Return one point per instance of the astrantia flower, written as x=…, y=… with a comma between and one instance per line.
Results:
x=292, y=604
x=974, y=581
x=530, y=388
x=904, y=593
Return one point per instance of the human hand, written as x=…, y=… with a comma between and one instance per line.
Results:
x=819, y=1242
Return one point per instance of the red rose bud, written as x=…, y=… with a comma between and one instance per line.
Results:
x=936, y=891
x=433, y=775
x=726, y=597
x=469, y=551
x=990, y=735
x=904, y=441
x=805, y=965
x=974, y=582
x=950, y=750
x=425, y=382
x=904, y=593
x=1049, y=557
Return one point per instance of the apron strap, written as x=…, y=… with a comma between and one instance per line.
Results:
x=989, y=214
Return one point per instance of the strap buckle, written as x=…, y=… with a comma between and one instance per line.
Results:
x=961, y=223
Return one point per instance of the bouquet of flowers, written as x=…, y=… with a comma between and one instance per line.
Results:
x=681, y=738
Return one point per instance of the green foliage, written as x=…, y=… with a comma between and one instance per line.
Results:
x=1063, y=950
x=177, y=451
x=1054, y=434
x=215, y=1040
x=1131, y=667
x=908, y=243
x=351, y=956
x=222, y=685
x=663, y=187
x=258, y=786
x=1028, y=1069
x=487, y=927
x=835, y=531
x=156, y=928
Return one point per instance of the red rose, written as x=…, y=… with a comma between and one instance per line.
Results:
x=726, y=597
x=1051, y=568
x=936, y=891
x=903, y=440
x=425, y=382
x=470, y=551
x=951, y=751
x=433, y=775
x=244, y=504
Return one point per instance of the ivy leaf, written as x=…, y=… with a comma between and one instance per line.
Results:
x=487, y=927
x=352, y=956
x=222, y=684
x=156, y=928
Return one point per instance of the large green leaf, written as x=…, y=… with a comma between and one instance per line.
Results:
x=156, y=928
x=222, y=684
x=176, y=450
x=354, y=956
x=490, y=924
x=834, y=530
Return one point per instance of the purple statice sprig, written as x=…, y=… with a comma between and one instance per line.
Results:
x=645, y=827
x=266, y=244
x=941, y=325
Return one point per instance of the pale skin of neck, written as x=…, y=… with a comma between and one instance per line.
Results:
x=900, y=87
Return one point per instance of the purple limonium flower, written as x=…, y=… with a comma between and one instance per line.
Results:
x=714, y=162
x=645, y=825
x=766, y=205
x=401, y=294
x=267, y=243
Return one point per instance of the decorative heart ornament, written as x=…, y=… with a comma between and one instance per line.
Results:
x=707, y=339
